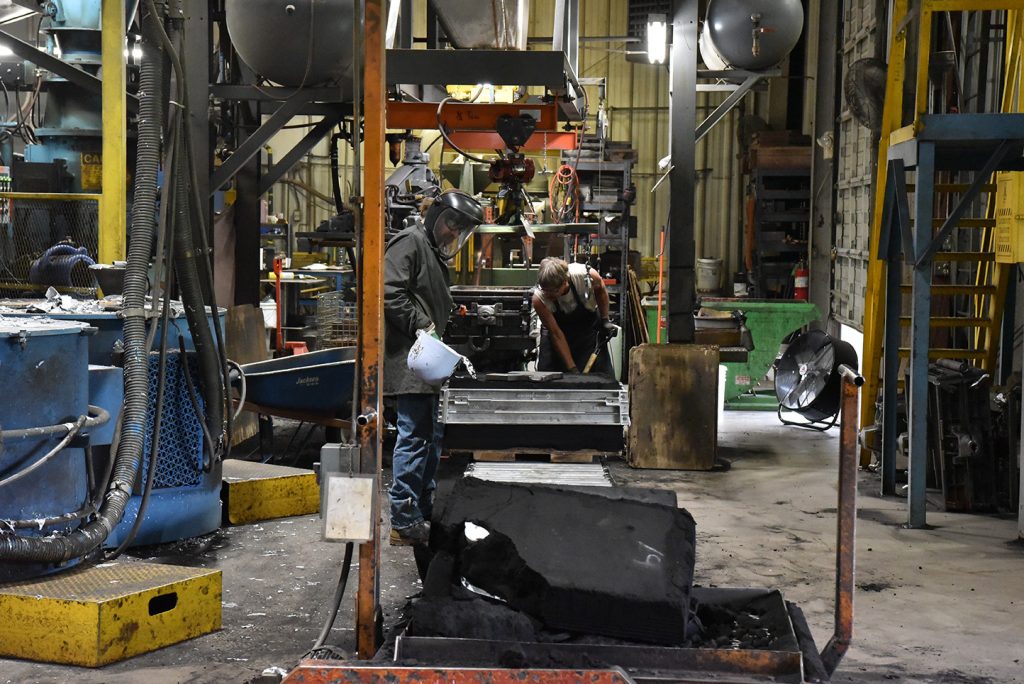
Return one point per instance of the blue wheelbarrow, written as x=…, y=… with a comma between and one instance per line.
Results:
x=315, y=387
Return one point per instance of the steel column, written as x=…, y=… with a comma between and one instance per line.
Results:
x=891, y=371
x=195, y=58
x=371, y=322
x=823, y=168
x=895, y=217
x=246, y=274
x=113, y=226
x=683, y=122
x=572, y=36
x=917, y=393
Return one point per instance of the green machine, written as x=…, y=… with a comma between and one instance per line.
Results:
x=770, y=321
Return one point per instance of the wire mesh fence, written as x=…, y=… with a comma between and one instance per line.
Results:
x=48, y=240
x=336, y=320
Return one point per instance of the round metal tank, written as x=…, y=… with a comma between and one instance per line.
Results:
x=44, y=364
x=294, y=42
x=750, y=34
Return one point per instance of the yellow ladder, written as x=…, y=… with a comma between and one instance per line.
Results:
x=988, y=293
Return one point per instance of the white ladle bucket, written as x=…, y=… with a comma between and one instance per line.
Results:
x=433, y=361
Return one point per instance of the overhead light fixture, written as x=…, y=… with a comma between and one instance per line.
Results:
x=5, y=51
x=657, y=38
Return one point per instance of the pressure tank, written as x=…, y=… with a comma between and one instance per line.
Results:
x=750, y=34
x=44, y=363
x=294, y=42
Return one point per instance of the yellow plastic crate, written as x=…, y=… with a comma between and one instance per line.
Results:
x=1010, y=217
x=262, y=491
x=106, y=613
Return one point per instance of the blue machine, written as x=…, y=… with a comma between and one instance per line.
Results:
x=44, y=365
x=72, y=122
x=185, y=500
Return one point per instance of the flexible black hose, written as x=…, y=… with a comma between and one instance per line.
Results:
x=186, y=268
x=201, y=230
x=97, y=416
x=444, y=134
x=158, y=413
x=339, y=205
x=128, y=461
x=339, y=594
x=165, y=256
x=75, y=427
x=197, y=410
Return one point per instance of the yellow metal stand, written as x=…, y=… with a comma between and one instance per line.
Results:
x=260, y=491
x=103, y=614
x=989, y=291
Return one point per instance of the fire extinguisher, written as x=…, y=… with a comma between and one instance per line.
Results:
x=800, y=280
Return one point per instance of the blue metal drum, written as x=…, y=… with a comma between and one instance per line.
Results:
x=45, y=374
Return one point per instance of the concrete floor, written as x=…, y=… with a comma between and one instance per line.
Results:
x=943, y=605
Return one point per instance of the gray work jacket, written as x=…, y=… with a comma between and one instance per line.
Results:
x=416, y=294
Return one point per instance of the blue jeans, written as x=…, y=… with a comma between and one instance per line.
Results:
x=416, y=456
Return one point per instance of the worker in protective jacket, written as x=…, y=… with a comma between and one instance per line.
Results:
x=417, y=298
x=572, y=304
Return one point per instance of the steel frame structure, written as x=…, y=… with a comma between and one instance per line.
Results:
x=984, y=143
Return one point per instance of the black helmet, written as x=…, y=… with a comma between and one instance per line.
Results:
x=462, y=203
x=450, y=220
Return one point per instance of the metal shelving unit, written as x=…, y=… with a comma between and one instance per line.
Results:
x=782, y=218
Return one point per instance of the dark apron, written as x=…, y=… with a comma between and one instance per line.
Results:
x=580, y=330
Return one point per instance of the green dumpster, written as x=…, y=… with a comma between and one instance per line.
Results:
x=650, y=305
x=769, y=322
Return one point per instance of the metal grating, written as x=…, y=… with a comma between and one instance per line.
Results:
x=59, y=236
x=180, y=461
x=101, y=583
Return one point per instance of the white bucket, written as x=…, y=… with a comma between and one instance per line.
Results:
x=431, y=360
x=709, y=275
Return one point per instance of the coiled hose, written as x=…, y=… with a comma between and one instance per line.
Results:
x=128, y=460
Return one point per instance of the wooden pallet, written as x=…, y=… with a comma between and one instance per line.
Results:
x=512, y=455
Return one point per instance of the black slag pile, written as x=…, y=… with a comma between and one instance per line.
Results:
x=525, y=562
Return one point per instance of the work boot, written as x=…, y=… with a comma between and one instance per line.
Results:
x=417, y=533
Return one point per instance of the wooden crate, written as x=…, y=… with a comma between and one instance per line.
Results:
x=673, y=406
x=786, y=157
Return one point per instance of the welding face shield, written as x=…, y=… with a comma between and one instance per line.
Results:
x=451, y=220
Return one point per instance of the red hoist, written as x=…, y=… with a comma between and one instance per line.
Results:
x=801, y=276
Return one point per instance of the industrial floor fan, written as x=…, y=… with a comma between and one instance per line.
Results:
x=807, y=379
